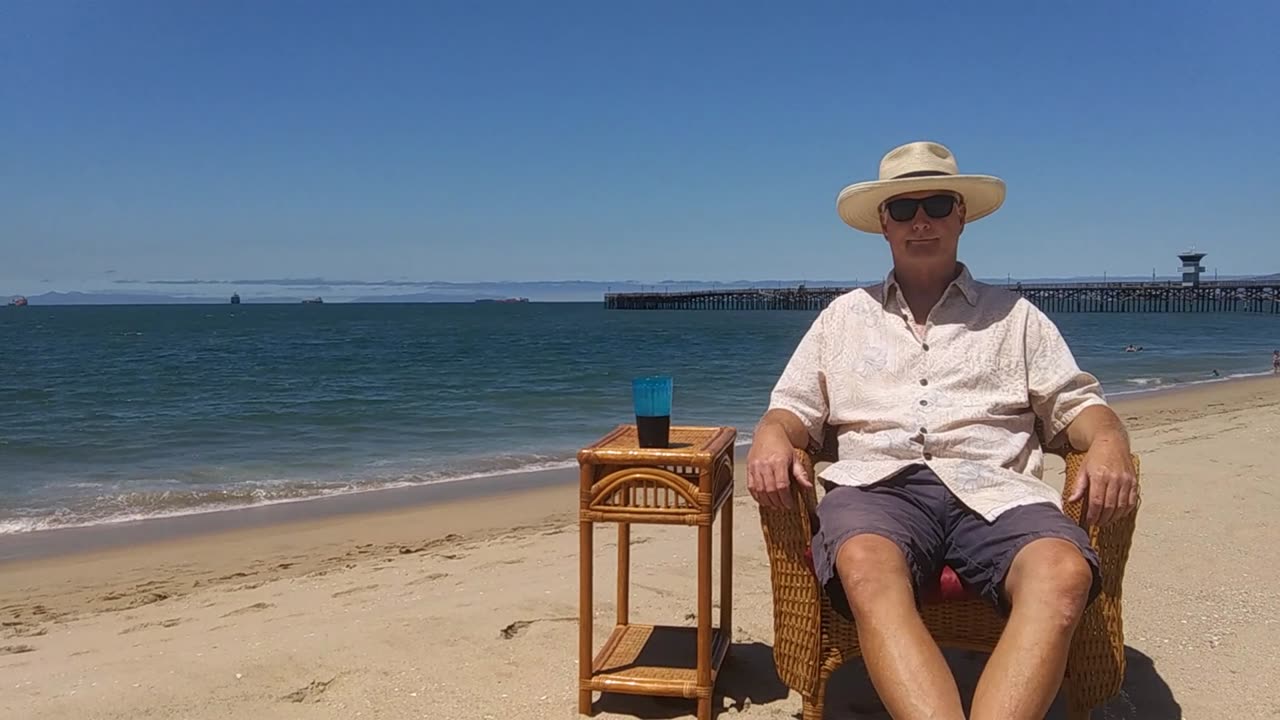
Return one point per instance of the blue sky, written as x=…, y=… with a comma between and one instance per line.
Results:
x=573, y=141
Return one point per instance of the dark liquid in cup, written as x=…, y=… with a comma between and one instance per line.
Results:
x=654, y=432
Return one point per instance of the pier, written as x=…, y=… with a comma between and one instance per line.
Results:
x=1188, y=294
x=1121, y=297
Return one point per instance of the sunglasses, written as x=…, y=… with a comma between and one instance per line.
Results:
x=935, y=206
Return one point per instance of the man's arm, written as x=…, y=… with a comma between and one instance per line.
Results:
x=1096, y=423
x=798, y=407
x=1107, y=475
x=788, y=423
x=772, y=462
x=1070, y=401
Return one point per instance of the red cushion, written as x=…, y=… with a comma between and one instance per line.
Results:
x=948, y=588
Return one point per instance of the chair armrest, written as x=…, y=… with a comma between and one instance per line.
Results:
x=1097, y=662
x=797, y=606
x=1112, y=542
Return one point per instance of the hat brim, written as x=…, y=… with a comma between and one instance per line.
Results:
x=859, y=204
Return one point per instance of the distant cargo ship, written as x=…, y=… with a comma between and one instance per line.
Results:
x=313, y=301
x=18, y=302
x=505, y=300
x=235, y=298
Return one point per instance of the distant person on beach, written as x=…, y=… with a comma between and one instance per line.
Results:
x=934, y=382
x=1275, y=362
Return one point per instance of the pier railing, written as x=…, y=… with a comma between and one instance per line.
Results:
x=1172, y=296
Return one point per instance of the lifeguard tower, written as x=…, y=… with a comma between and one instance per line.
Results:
x=1191, y=268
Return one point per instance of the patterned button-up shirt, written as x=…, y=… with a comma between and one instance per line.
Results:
x=960, y=395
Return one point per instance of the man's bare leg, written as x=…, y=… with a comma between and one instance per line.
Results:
x=1048, y=586
x=905, y=664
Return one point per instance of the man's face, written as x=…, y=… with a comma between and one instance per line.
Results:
x=922, y=238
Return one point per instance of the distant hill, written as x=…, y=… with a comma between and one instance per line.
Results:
x=254, y=292
x=80, y=298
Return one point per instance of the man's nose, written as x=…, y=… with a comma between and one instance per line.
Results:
x=921, y=221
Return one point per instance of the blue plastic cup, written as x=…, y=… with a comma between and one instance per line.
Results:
x=652, y=397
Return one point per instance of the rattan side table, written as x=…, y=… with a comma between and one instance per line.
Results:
x=688, y=483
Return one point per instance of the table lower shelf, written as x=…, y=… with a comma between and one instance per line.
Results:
x=655, y=660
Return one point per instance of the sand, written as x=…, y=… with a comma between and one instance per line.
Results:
x=468, y=608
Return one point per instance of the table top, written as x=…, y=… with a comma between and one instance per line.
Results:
x=687, y=444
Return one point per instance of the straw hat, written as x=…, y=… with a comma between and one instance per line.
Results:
x=911, y=168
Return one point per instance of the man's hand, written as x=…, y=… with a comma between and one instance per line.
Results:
x=1109, y=480
x=771, y=463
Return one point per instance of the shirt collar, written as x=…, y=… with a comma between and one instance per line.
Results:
x=964, y=282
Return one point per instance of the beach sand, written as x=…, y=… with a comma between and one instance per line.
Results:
x=468, y=608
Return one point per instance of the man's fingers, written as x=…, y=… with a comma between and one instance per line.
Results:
x=1082, y=484
x=770, y=475
x=782, y=476
x=1111, y=500
x=802, y=477
x=1097, y=499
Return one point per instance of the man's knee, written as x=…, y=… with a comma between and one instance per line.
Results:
x=1051, y=575
x=871, y=567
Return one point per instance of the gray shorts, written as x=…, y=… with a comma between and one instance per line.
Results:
x=933, y=528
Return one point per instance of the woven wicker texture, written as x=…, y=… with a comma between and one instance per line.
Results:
x=811, y=640
x=681, y=440
x=652, y=660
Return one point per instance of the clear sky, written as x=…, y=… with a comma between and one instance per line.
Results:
x=553, y=140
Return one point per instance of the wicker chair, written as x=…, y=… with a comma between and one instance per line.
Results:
x=811, y=640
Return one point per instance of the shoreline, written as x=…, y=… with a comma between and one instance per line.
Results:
x=36, y=545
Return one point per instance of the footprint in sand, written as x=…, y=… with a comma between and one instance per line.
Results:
x=15, y=649
x=519, y=626
x=143, y=626
x=133, y=601
x=354, y=590
x=311, y=693
x=429, y=578
x=250, y=608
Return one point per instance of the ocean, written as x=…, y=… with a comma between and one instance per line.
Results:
x=111, y=414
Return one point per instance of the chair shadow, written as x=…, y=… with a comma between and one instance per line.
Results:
x=747, y=678
x=1143, y=696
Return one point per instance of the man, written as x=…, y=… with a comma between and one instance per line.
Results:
x=934, y=382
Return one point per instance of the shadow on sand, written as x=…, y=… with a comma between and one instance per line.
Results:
x=748, y=678
x=1144, y=696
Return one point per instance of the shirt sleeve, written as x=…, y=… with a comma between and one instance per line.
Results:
x=802, y=387
x=1059, y=389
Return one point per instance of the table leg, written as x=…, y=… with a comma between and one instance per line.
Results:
x=624, y=571
x=585, y=639
x=726, y=571
x=704, y=619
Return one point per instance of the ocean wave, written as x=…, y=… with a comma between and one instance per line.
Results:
x=138, y=505
x=168, y=497
x=1164, y=385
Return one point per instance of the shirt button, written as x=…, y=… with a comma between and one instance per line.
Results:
x=928, y=456
x=924, y=402
x=923, y=431
x=924, y=381
x=925, y=347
